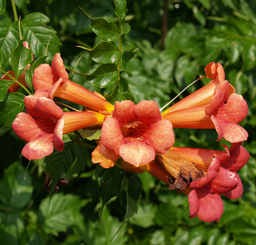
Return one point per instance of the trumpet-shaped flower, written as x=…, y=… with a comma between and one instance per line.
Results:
x=216, y=105
x=41, y=126
x=55, y=82
x=136, y=133
x=44, y=123
x=205, y=175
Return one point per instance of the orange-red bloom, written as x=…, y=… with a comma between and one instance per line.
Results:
x=55, y=82
x=216, y=105
x=41, y=126
x=136, y=133
x=205, y=174
x=44, y=124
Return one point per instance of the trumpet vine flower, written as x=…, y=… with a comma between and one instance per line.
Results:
x=136, y=133
x=205, y=175
x=54, y=80
x=216, y=105
x=44, y=123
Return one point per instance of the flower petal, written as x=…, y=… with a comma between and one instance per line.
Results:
x=237, y=192
x=193, y=201
x=239, y=156
x=58, y=67
x=124, y=111
x=211, y=173
x=43, y=77
x=160, y=135
x=229, y=131
x=215, y=71
x=235, y=110
x=147, y=111
x=25, y=127
x=111, y=134
x=211, y=208
x=42, y=107
x=104, y=156
x=221, y=95
x=38, y=148
x=224, y=181
x=137, y=153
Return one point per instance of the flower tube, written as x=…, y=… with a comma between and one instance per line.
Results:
x=216, y=105
x=54, y=80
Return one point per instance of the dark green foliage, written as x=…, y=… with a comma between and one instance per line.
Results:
x=113, y=47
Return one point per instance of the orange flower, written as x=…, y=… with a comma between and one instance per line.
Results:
x=216, y=105
x=54, y=81
x=205, y=175
x=136, y=133
x=44, y=123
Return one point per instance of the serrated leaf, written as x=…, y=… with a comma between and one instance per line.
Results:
x=8, y=40
x=15, y=187
x=109, y=231
x=10, y=108
x=105, y=53
x=145, y=216
x=42, y=39
x=60, y=212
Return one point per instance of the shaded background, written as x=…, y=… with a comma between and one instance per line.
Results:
x=152, y=50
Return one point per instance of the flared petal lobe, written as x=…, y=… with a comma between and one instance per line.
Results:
x=38, y=148
x=111, y=134
x=161, y=136
x=25, y=127
x=58, y=67
x=210, y=208
x=137, y=153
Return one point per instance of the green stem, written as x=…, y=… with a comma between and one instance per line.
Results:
x=14, y=10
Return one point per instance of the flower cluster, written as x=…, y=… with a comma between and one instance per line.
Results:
x=138, y=137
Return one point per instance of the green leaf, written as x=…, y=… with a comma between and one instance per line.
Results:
x=105, y=53
x=60, y=212
x=145, y=215
x=107, y=31
x=21, y=3
x=4, y=86
x=42, y=39
x=8, y=40
x=109, y=231
x=15, y=187
x=20, y=59
x=68, y=163
x=120, y=8
x=199, y=16
x=9, y=109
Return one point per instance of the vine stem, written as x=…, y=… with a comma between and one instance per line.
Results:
x=181, y=92
x=14, y=10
